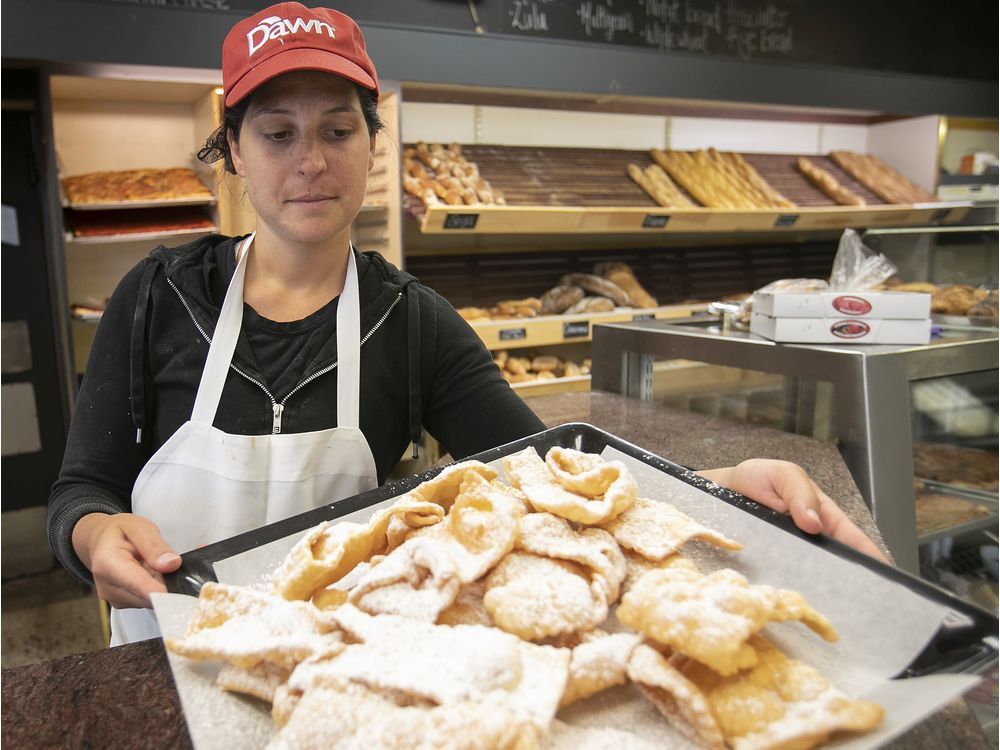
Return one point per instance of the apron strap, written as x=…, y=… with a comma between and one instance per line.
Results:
x=222, y=344
x=349, y=348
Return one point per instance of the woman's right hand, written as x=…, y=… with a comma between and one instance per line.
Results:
x=126, y=555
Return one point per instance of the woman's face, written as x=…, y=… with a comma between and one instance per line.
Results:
x=305, y=153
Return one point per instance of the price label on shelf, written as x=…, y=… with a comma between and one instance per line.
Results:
x=460, y=221
x=577, y=329
x=786, y=220
x=655, y=221
x=513, y=334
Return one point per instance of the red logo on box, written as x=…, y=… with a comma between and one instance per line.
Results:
x=852, y=305
x=850, y=329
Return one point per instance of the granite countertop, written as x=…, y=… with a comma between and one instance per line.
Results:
x=125, y=697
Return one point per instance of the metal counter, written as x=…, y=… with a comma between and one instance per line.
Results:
x=870, y=386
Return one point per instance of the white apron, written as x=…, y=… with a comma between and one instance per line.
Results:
x=204, y=485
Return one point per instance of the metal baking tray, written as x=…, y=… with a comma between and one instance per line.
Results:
x=965, y=643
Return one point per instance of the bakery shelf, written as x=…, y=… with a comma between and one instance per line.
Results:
x=87, y=318
x=164, y=203
x=459, y=220
x=988, y=520
x=137, y=236
x=551, y=386
x=547, y=330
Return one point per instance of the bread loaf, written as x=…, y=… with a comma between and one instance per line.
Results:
x=474, y=313
x=915, y=286
x=529, y=307
x=544, y=363
x=595, y=285
x=560, y=298
x=517, y=365
x=621, y=274
x=954, y=299
x=592, y=305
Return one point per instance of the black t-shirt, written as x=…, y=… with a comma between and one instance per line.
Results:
x=287, y=353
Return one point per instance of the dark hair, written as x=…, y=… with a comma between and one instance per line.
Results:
x=217, y=144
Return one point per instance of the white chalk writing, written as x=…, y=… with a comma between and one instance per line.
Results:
x=527, y=16
x=597, y=17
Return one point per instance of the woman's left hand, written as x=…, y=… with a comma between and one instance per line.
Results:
x=786, y=488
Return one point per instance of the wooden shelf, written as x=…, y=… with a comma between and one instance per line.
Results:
x=548, y=387
x=546, y=330
x=165, y=203
x=460, y=220
x=137, y=236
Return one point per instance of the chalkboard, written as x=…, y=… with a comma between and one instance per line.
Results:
x=437, y=14
x=956, y=39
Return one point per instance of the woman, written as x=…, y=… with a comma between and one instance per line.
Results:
x=224, y=390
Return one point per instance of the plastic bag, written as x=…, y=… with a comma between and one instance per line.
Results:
x=857, y=267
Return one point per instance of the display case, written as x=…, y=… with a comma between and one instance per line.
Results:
x=882, y=404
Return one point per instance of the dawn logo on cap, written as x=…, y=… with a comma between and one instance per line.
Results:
x=275, y=28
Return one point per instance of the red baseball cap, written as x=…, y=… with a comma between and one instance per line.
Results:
x=288, y=37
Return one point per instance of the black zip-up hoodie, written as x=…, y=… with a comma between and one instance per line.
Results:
x=421, y=364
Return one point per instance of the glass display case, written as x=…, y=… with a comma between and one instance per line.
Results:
x=879, y=403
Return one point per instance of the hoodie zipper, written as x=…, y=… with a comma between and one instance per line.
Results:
x=277, y=408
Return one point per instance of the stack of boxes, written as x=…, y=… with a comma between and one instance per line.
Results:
x=842, y=317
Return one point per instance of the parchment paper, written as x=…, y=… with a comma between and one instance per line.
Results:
x=882, y=627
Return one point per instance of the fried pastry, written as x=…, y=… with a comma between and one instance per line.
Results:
x=246, y=627
x=780, y=702
x=260, y=681
x=563, y=736
x=417, y=579
x=330, y=551
x=467, y=609
x=422, y=663
x=480, y=528
x=636, y=566
x=329, y=598
x=536, y=597
x=398, y=654
x=598, y=662
x=710, y=618
x=547, y=535
x=350, y=717
x=610, y=487
x=442, y=489
x=657, y=530
x=674, y=696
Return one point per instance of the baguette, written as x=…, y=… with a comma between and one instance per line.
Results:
x=880, y=178
x=828, y=184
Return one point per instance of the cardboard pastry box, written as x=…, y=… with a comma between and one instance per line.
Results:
x=843, y=330
x=867, y=305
